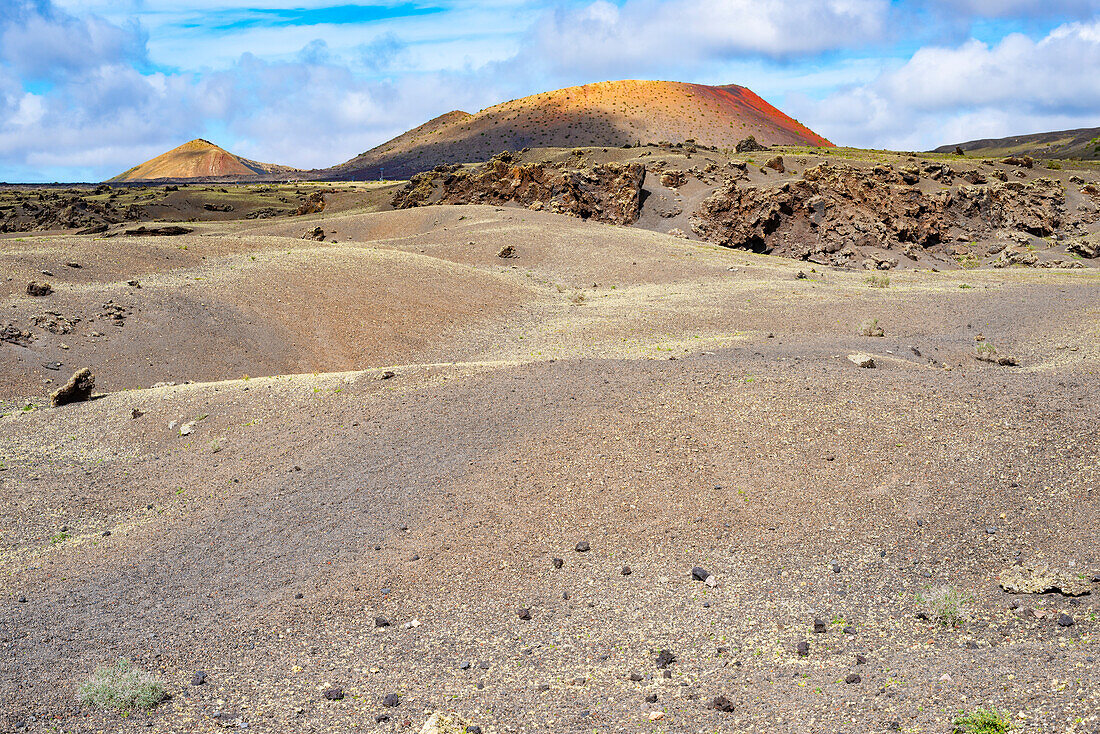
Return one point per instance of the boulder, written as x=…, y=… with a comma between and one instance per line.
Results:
x=1041, y=579
x=76, y=390
x=749, y=145
x=39, y=289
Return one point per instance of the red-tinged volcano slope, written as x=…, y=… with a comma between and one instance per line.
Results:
x=603, y=114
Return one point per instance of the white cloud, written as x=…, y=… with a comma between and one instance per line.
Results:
x=974, y=90
x=620, y=40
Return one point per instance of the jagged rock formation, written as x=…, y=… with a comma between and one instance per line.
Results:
x=608, y=192
x=834, y=212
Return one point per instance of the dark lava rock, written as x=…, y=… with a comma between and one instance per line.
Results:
x=390, y=700
x=853, y=678
x=199, y=678
x=381, y=622
x=473, y=729
x=627, y=571
x=803, y=649
x=583, y=547
x=664, y=659
x=381, y=718
x=651, y=698
x=849, y=630
x=635, y=677
x=721, y=703
x=1064, y=620
x=700, y=574
x=76, y=390
x=39, y=289
x=820, y=627
x=336, y=693
x=860, y=660
x=523, y=613
x=558, y=562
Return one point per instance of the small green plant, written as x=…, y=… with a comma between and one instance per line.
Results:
x=944, y=606
x=60, y=537
x=878, y=281
x=1054, y=165
x=871, y=328
x=122, y=687
x=982, y=721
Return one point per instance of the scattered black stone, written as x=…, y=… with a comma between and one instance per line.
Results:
x=381, y=622
x=523, y=613
x=635, y=677
x=664, y=659
x=558, y=562
x=1064, y=620
x=860, y=660
x=820, y=627
x=465, y=665
x=106, y=533
x=22, y=600
x=335, y=693
x=849, y=630
x=484, y=665
x=651, y=698
x=37, y=289
x=473, y=729
x=583, y=547
x=199, y=678
x=627, y=571
x=381, y=718
x=721, y=703
x=666, y=673
x=803, y=649
x=853, y=678
x=390, y=700
x=700, y=574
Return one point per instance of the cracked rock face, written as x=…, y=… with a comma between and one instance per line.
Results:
x=835, y=211
x=608, y=192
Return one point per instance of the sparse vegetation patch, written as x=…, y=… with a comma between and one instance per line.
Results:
x=122, y=687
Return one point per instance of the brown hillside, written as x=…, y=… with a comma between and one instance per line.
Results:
x=197, y=159
x=603, y=114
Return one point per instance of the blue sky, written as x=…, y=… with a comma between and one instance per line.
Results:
x=90, y=87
